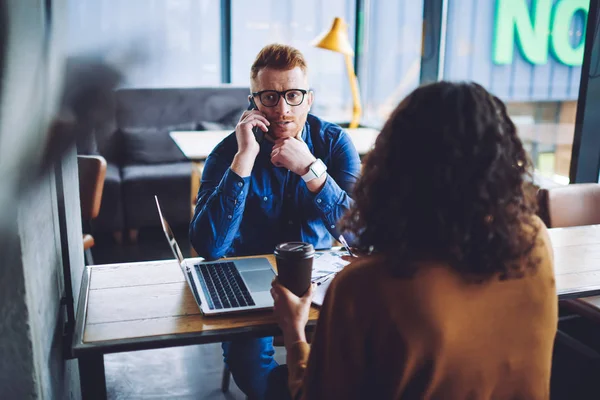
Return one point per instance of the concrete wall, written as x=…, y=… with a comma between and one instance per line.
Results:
x=31, y=354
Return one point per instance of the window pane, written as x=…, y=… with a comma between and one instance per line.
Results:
x=536, y=75
x=391, y=57
x=297, y=23
x=179, y=39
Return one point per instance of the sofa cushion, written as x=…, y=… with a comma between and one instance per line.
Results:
x=110, y=142
x=113, y=174
x=170, y=182
x=153, y=145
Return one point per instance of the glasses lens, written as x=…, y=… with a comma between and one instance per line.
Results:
x=294, y=97
x=269, y=98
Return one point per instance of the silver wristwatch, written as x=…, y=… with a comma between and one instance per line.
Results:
x=315, y=170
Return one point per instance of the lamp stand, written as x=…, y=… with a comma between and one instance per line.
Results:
x=356, y=107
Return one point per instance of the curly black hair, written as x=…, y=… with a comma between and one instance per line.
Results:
x=446, y=181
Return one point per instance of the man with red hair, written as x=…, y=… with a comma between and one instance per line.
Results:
x=293, y=185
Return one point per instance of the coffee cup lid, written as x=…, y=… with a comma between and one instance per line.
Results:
x=295, y=249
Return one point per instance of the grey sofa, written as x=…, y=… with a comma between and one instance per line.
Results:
x=143, y=161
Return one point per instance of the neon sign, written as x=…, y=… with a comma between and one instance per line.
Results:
x=544, y=29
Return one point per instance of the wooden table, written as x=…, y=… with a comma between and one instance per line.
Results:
x=148, y=305
x=577, y=263
x=577, y=260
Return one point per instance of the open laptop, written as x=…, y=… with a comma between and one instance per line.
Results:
x=224, y=286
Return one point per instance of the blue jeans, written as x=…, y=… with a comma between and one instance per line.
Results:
x=250, y=361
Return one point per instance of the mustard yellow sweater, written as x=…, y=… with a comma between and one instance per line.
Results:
x=434, y=336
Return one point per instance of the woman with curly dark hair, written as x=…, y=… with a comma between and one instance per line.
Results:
x=456, y=299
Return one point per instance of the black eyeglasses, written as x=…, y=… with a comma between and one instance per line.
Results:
x=270, y=98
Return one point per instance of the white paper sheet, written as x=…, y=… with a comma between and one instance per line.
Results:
x=325, y=263
x=319, y=295
x=325, y=266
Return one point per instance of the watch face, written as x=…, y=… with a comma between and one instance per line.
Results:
x=318, y=168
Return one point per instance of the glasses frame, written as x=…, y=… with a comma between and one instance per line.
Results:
x=280, y=95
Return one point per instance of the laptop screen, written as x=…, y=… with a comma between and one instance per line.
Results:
x=169, y=233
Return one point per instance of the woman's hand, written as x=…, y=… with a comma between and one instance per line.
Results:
x=291, y=311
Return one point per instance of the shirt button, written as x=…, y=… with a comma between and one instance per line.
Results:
x=318, y=200
x=229, y=216
x=265, y=198
x=240, y=184
x=291, y=222
x=332, y=226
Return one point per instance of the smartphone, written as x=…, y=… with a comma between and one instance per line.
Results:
x=258, y=133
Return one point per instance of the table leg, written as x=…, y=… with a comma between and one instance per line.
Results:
x=92, y=378
x=197, y=168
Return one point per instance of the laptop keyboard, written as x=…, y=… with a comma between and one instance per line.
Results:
x=225, y=286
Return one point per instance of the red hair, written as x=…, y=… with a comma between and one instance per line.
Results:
x=278, y=56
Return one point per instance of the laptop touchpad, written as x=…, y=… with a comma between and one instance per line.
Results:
x=259, y=280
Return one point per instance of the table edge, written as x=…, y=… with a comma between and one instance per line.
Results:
x=178, y=339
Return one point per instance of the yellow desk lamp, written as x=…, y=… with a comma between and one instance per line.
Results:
x=336, y=39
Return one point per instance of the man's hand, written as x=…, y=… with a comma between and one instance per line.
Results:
x=291, y=311
x=248, y=147
x=292, y=154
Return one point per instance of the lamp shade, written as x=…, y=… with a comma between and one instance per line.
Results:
x=336, y=39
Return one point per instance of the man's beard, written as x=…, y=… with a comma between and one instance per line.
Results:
x=282, y=127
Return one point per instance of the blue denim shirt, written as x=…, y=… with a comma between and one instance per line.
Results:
x=237, y=216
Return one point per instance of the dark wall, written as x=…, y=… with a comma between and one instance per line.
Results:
x=31, y=354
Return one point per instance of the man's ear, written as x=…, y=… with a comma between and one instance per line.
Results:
x=311, y=98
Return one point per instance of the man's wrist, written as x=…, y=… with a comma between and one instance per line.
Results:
x=317, y=184
x=242, y=163
x=307, y=168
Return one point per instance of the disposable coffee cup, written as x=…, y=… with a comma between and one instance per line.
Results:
x=294, y=265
